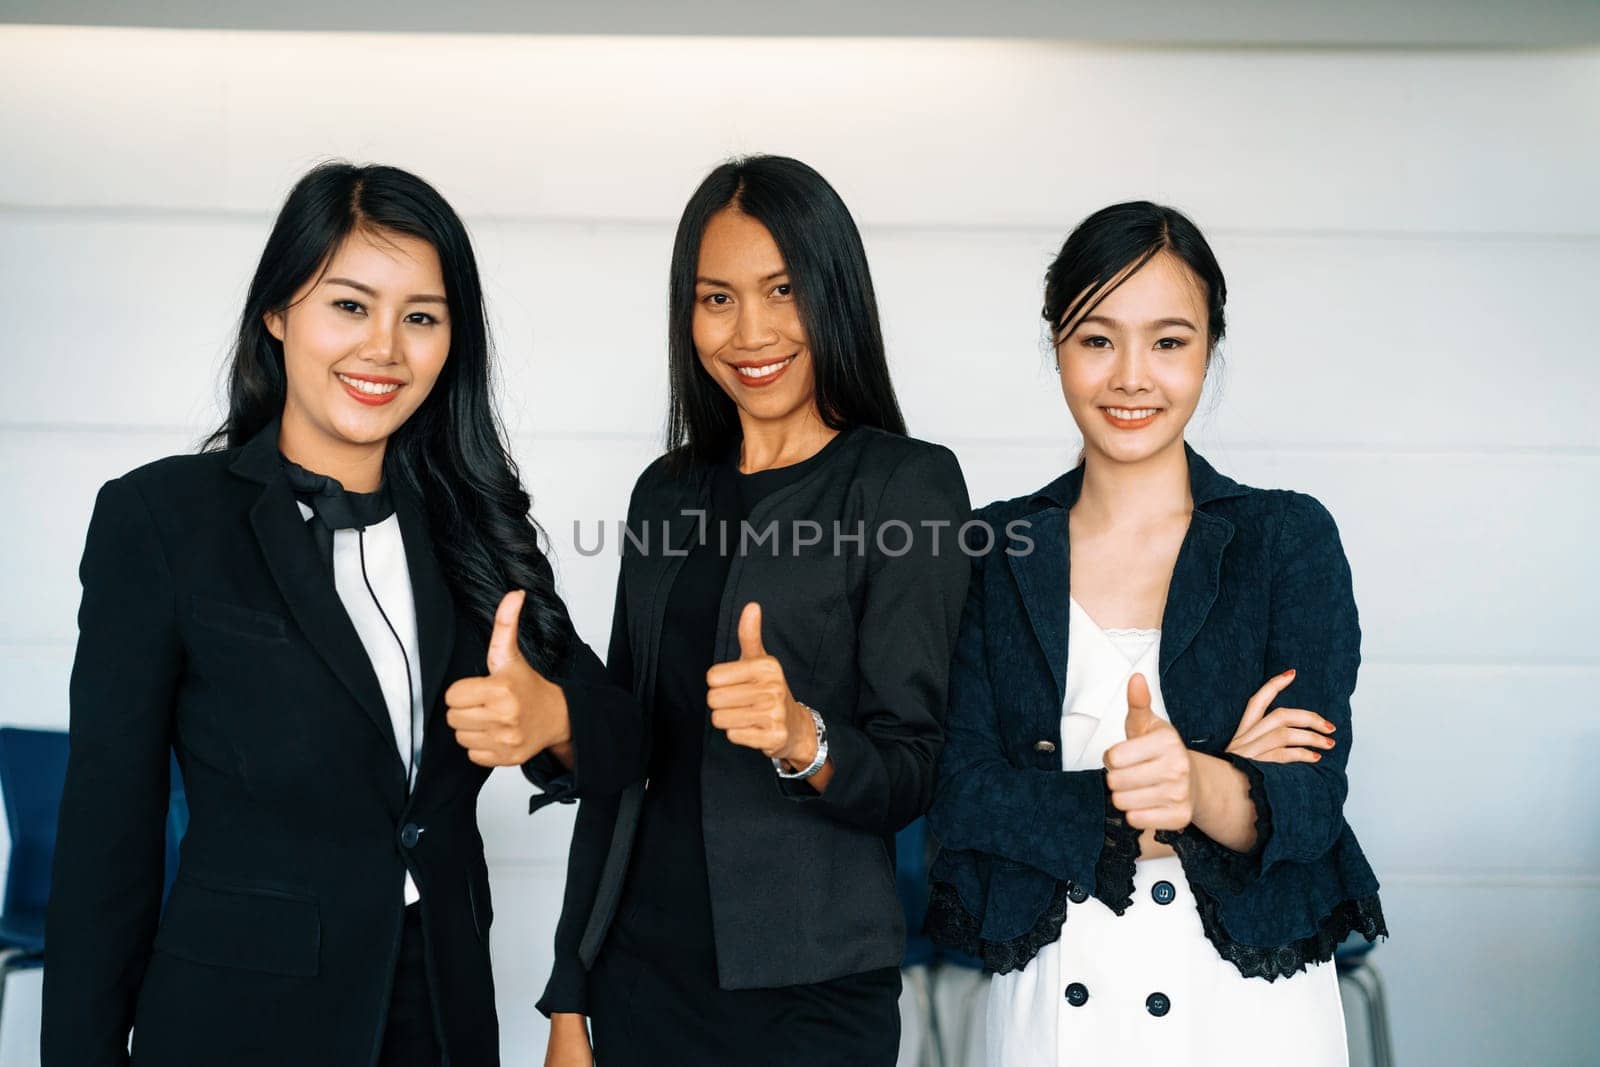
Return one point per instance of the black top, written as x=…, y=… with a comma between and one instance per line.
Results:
x=864, y=624
x=666, y=902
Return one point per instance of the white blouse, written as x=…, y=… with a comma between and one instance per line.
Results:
x=374, y=583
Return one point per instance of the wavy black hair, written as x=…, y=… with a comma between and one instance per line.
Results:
x=1108, y=247
x=452, y=451
x=827, y=265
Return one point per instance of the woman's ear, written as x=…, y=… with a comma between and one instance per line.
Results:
x=273, y=320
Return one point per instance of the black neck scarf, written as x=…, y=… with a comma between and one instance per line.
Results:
x=335, y=508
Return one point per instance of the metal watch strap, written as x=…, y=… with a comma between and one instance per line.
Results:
x=822, y=750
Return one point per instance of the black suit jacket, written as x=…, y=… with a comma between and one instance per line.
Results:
x=210, y=625
x=802, y=884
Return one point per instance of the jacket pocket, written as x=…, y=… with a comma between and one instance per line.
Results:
x=238, y=621
x=245, y=927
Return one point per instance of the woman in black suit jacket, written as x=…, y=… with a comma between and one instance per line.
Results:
x=786, y=611
x=286, y=613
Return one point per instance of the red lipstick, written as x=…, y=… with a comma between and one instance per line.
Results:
x=1130, y=424
x=372, y=400
x=766, y=380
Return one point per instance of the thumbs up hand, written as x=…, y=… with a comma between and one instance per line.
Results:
x=513, y=714
x=750, y=700
x=1151, y=773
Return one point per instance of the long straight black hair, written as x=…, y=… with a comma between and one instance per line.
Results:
x=451, y=452
x=1108, y=247
x=827, y=265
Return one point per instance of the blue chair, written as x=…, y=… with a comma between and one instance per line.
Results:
x=911, y=885
x=914, y=852
x=1350, y=958
x=33, y=772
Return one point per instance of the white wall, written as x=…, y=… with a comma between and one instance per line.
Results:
x=1412, y=246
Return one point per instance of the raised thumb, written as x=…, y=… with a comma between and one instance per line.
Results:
x=503, y=648
x=750, y=632
x=1141, y=717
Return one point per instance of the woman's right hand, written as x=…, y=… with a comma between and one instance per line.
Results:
x=569, y=1042
x=1284, y=735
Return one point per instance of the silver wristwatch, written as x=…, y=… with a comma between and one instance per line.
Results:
x=822, y=750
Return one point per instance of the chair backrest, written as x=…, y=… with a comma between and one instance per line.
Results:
x=177, y=823
x=911, y=885
x=915, y=849
x=33, y=773
x=33, y=770
x=1352, y=952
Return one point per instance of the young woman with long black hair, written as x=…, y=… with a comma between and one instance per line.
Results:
x=789, y=638
x=339, y=617
x=1152, y=877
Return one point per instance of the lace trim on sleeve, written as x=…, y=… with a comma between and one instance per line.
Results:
x=950, y=924
x=1216, y=866
x=1363, y=916
x=1119, y=857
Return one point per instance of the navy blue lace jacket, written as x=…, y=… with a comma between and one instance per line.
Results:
x=1260, y=585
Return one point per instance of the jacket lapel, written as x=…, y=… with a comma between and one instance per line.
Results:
x=657, y=563
x=308, y=588
x=297, y=569
x=1195, y=578
x=436, y=614
x=1042, y=582
x=1197, y=574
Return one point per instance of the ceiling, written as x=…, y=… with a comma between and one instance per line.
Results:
x=1265, y=23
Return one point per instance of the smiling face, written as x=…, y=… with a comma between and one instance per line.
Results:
x=746, y=323
x=1133, y=369
x=363, y=344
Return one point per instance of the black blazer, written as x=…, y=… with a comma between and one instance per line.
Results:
x=865, y=637
x=210, y=625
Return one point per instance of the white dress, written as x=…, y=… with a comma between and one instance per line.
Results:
x=1146, y=987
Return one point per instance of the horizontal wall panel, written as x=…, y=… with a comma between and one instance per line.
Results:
x=1336, y=340
x=1333, y=340
x=60, y=473
x=1476, y=772
x=1456, y=558
x=1445, y=747
x=122, y=320
x=1492, y=975
x=912, y=131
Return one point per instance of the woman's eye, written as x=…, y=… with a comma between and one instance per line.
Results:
x=717, y=300
x=783, y=290
x=421, y=318
x=348, y=305
x=1170, y=343
x=1096, y=341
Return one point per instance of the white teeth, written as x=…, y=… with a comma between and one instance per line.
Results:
x=762, y=372
x=1130, y=414
x=370, y=388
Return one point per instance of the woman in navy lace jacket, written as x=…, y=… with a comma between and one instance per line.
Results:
x=1147, y=872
